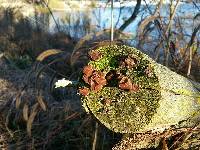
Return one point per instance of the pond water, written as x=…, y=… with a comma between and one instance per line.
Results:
x=80, y=22
x=83, y=21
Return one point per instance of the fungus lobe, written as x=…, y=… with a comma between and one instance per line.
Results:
x=94, y=55
x=84, y=91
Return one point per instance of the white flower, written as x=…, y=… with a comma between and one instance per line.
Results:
x=62, y=83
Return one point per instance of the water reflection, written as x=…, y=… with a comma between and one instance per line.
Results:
x=81, y=22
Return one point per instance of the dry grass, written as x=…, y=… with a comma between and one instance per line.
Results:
x=35, y=115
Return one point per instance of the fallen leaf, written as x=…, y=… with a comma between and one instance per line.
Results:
x=42, y=103
x=128, y=62
x=25, y=112
x=31, y=118
x=92, y=84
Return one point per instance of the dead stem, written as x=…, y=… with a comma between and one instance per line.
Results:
x=171, y=17
x=144, y=24
x=185, y=136
x=172, y=13
x=95, y=137
x=190, y=63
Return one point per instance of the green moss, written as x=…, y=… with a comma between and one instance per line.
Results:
x=126, y=111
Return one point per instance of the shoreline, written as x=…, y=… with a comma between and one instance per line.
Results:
x=76, y=5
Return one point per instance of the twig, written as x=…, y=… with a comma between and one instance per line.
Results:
x=120, y=10
x=145, y=22
x=112, y=23
x=190, y=63
x=1, y=55
x=172, y=14
x=160, y=29
x=46, y=4
x=196, y=5
x=185, y=137
x=189, y=45
x=133, y=16
x=95, y=137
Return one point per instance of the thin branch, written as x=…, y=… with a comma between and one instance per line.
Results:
x=120, y=11
x=172, y=14
x=196, y=5
x=171, y=17
x=190, y=63
x=112, y=22
x=193, y=36
x=47, y=6
x=189, y=45
x=146, y=21
x=133, y=16
x=95, y=137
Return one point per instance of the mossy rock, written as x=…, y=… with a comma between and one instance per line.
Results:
x=152, y=97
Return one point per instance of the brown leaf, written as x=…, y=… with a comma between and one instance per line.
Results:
x=110, y=75
x=86, y=79
x=84, y=91
x=119, y=75
x=123, y=79
x=127, y=61
x=101, y=81
x=121, y=61
x=92, y=84
x=122, y=64
x=94, y=55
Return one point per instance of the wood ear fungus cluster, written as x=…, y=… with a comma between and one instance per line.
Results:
x=148, y=71
x=126, y=84
x=95, y=79
x=94, y=55
x=128, y=62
